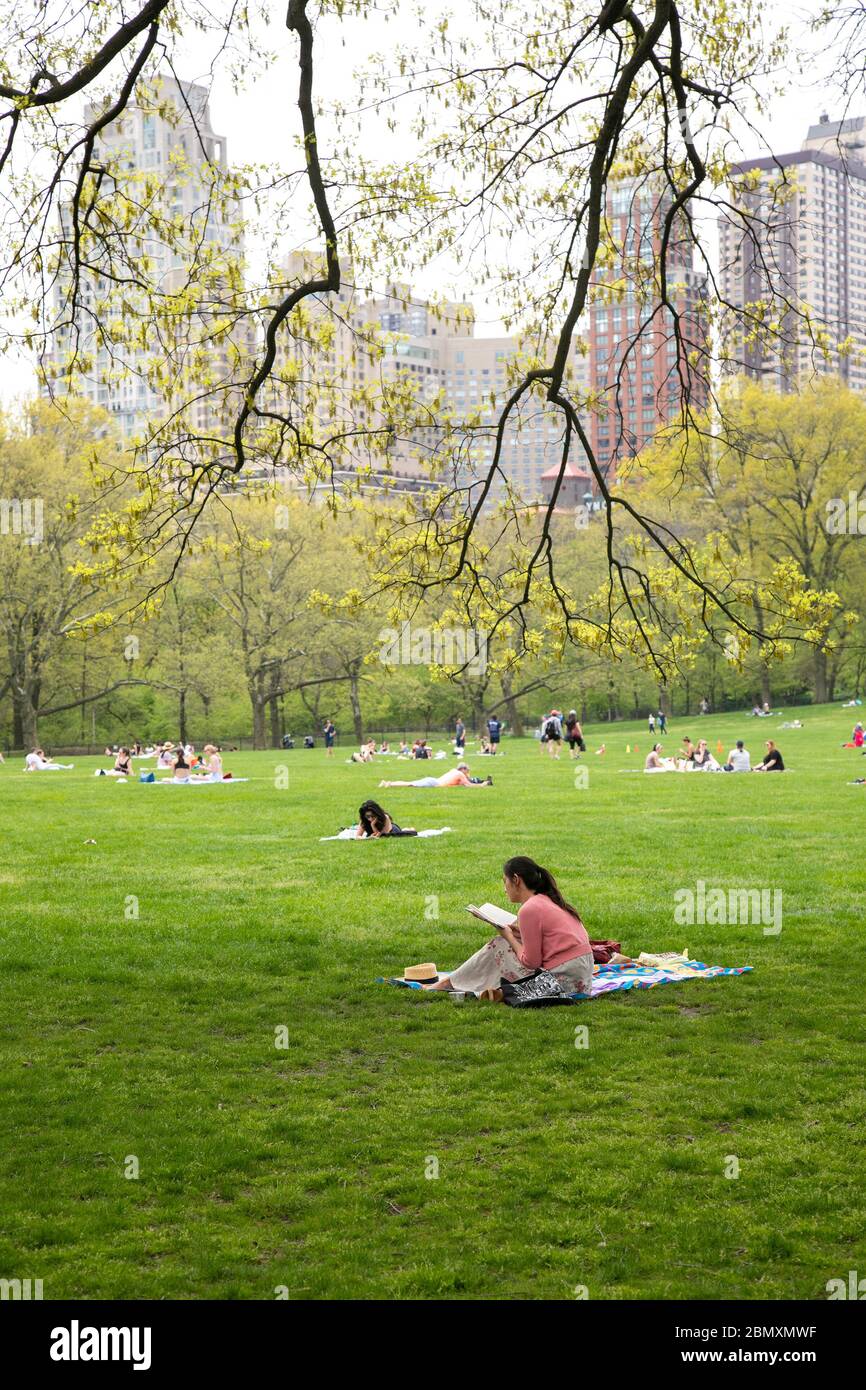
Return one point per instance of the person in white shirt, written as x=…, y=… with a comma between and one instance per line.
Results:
x=656, y=763
x=739, y=759
x=37, y=762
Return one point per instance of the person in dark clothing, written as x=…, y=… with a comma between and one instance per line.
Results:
x=494, y=729
x=330, y=733
x=123, y=762
x=574, y=733
x=772, y=760
x=375, y=823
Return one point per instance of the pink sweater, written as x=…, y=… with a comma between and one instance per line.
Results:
x=550, y=935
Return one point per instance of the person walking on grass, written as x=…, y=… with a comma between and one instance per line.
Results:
x=553, y=733
x=494, y=730
x=652, y=724
x=574, y=734
x=459, y=736
x=662, y=722
x=548, y=935
x=330, y=733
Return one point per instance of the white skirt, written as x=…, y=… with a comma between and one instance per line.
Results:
x=497, y=961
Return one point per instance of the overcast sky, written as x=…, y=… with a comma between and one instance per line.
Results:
x=238, y=115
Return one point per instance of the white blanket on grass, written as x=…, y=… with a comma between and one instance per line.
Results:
x=199, y=781
x=349, y=834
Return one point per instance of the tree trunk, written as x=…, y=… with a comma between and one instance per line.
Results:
x=258, y=701
x=765, y=684
x=276, y=732
x=17, y=721
x=477, y=699
x=355, y=702
x=819, y=691
x=181, y=716
x=29, y=724
x=514, y=720
x=82, y=735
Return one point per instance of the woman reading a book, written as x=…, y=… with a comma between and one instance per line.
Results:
x=547, y=933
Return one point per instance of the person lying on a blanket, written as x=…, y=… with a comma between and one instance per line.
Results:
x=548, y=935
x=375, y=822
x=457, y=777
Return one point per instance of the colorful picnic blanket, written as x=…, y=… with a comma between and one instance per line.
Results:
x=609, y=978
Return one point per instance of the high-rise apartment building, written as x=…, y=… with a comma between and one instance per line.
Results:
x=794, y=251
x=646, y=359
x=428, y=353
x=340, y=357
x=169, y=139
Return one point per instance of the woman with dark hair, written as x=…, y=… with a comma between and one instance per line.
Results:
x=574, y=734
x=180, y=765
x=548, y=935
x=375, y=823
x=123, y=763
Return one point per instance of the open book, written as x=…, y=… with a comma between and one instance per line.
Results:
x=493, y=916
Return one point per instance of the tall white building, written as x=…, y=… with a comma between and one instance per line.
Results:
x=167, y=144
x=800, y=248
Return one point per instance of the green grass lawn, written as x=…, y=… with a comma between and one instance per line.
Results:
x=304, y=1166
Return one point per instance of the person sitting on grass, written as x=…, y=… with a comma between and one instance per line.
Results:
x=165, y=757
x=122, y=763
x=703, y=760
x=549, y=935
x=36, y=761
x=772, y=760
x=212, y=763
x=180, y=766
x=739, y=759
x=457, y=777
x=374, y=823
x=656, y=763
x=687, y=752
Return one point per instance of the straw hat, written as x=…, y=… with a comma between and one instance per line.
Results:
x=425, y=974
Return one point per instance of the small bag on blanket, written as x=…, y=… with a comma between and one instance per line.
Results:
x=535, y=991
x=603, y=950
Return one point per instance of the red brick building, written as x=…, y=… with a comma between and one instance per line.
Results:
x=639, y=373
